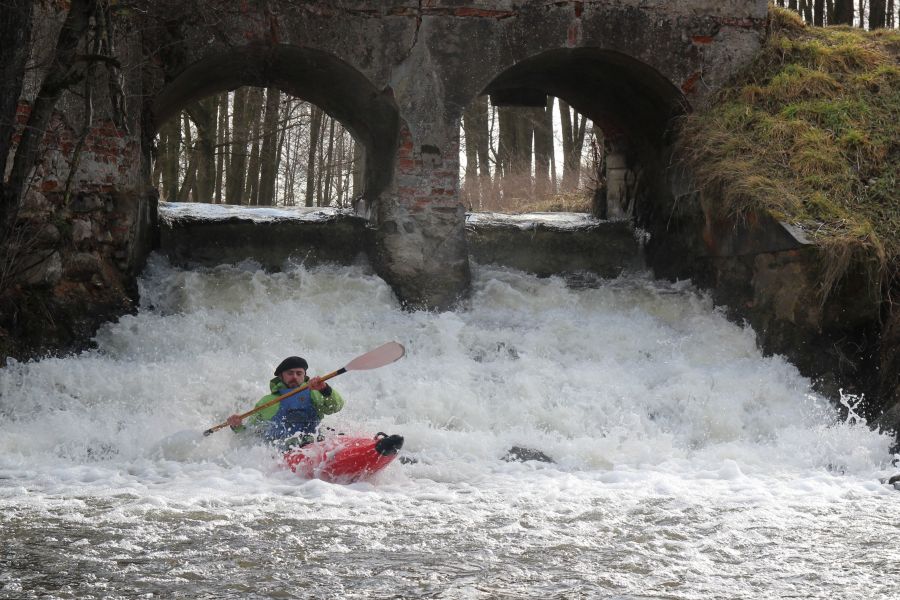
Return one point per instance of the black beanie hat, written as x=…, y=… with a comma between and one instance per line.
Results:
x=291, y=362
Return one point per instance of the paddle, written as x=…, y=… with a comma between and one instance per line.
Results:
x=379, y=357
x=181, y=443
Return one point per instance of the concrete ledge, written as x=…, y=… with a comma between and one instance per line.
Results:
x=758, y=233
x=541, y=243
x=213, y=234
x=554, y=243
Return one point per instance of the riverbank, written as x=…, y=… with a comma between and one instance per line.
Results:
x=808, y=137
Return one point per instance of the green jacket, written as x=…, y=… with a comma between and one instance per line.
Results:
x=323, y=404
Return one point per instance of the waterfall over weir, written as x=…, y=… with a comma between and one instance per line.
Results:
x=685, y=464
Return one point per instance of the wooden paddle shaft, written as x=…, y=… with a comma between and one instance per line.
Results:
x=379, y=357
x=274, y=401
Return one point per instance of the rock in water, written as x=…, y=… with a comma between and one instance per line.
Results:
x=521, y=454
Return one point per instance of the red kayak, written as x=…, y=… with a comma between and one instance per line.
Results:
x=344, y=459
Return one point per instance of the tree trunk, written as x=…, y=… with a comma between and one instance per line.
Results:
x=156, y=175
x=819, y=20
x=357, y=166
x=525, y=120
x=15, y=31
x=291, y=134
x=329, y=167
x=203, y=114
x=514, y=153
x=573, y=144
x=483, y=144
x=543, y=149
x=281, y=136
x=315, y=123
x=479, y=137
x=170, y=137
x=877, y=14
x=269, y=151
x=222, y=136
x=254, y=116
x=505, y=140
x=339, y=170
x=806, y=7
x=63, y=72
x=471, y=188
x=237, y=165
x=843, y=12
x=320, y=168
x=188, y=184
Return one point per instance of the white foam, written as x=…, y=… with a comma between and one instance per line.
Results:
x=658, y=413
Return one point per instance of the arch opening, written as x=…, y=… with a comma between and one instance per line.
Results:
x=609, y=115
x=324, y=81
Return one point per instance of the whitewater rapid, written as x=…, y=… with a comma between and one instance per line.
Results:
x=686, y=465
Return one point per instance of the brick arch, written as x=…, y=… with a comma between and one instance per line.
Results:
x=630, y=100
x=313, y=75
x=626, y=97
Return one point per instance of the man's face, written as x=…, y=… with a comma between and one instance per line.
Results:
x=293, y=377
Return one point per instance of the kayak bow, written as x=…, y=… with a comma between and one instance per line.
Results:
x=344, y=459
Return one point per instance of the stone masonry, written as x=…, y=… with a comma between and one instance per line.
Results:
x=398, y=74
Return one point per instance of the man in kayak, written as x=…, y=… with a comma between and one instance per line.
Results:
x=294, y=420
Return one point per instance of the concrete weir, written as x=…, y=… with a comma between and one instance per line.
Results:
x=541, y=243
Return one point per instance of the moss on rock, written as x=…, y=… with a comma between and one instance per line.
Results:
x=810, y=133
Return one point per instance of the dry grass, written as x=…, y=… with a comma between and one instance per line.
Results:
x=573, y=202
x=810, y=133
x=519, y=195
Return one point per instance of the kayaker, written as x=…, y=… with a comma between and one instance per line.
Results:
x=295, y=420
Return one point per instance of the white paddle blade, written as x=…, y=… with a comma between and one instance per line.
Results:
x=380, y=356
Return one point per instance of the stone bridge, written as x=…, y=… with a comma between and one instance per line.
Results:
x=398, y=74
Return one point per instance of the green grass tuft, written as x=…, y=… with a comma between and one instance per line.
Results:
x=811, y=134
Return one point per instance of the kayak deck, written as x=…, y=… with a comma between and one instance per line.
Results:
x=344, y=459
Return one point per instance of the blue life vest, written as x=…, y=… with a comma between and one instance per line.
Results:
x=296, y=414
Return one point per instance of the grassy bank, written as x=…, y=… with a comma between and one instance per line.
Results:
x=810, y=133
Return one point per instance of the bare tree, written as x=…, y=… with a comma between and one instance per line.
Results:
x=543, y=150
x=515, y=151
x=357, y=168
x=315, y=125
x=877, y=14
x=15, y=30
x=169, y=151
x=187, y=191
x=270, y=149
x=222, y=136
x=328, y=178
x=472, y=187
x=203, y=114
x=843, y=12
x=573, y=128
x=237, y=164
x=478, y=142
x=254, y=115
x=63, y=72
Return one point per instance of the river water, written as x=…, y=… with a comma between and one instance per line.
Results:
x=686, y=465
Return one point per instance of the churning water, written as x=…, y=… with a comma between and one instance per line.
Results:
x=686, y=465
